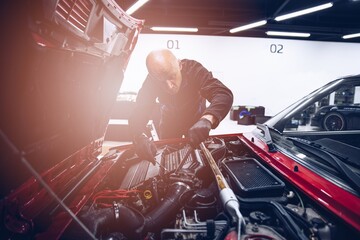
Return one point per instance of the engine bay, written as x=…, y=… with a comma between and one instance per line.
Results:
x=181, y=197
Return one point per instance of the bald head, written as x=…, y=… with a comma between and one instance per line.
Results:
x=161, y=61
x=165, y=68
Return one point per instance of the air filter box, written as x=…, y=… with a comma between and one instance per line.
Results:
x=249, y=178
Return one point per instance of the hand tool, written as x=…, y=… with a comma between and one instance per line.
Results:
x=227, y=196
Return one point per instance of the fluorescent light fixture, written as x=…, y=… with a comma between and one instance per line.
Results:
x=174, y=29
x=354, y=35
x=287, y=34
x=248, y=26
x=136, y=6
x=303, y=12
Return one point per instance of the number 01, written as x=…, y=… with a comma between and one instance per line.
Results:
x=172, y=44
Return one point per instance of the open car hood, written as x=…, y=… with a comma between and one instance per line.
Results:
x=62, y=65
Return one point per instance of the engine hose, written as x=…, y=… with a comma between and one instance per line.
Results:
x=170, y=205
x=132, y=223
x=118, y=219
x=127, y=220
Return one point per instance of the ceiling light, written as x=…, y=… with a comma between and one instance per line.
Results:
x=354, y=35
x=136, y=6
x=305, y=11
x=174, y=29
x=287, y=34
x=245, y=27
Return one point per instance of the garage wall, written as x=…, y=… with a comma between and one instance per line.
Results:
x=260, y=71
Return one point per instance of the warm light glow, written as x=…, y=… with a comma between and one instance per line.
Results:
x=245, y=27
x=287, y=34
x=136, y=6
x=305, y=11
x=354, y=35
x=174, y=29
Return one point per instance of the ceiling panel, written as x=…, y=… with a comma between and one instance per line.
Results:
x=217, y=17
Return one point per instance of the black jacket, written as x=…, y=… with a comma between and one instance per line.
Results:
x=180, y=111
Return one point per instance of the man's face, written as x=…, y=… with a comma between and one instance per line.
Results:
x=168, y=79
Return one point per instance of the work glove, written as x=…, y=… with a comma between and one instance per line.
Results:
x=199, y=132
x=145, y=148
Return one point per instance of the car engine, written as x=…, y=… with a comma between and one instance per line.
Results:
x=179, y=198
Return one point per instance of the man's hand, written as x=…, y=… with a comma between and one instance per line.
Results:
x=199, y=132
x=145, y=148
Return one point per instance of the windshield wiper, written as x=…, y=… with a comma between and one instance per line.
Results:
x=268, y=140
x=330, y=158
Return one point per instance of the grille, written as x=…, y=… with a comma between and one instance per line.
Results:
x=251, y=179
x=75, y=12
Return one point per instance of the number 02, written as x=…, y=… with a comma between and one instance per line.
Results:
x=276, y=48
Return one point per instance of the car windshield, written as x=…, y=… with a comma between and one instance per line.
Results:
x=322, y=132
x=333, y=107
x=337, y=111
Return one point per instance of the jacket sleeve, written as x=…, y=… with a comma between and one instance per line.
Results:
x=219, y=96
x=145, y=103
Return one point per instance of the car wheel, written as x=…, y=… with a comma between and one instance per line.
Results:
x=334, y=122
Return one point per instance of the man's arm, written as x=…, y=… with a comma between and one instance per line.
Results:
x=210, y=118
x=145, y=103
x=219, y=96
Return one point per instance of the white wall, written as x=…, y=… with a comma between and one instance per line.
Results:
x=260, y=71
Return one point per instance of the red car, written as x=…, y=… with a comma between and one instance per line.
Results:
x=62, y=66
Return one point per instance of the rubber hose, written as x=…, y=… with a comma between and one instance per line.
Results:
x=167, y=209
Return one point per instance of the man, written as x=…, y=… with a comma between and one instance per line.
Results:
x=182, y=88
